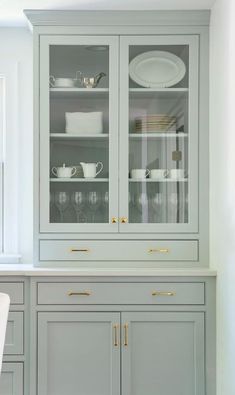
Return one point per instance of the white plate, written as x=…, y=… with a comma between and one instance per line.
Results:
x=157, y=69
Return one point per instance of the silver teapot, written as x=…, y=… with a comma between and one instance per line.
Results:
x=89, y=82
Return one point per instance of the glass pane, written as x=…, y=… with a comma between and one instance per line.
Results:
x=158, y=134
x=79, y=134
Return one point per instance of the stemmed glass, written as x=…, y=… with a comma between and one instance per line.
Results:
x=141, y=203
x=94, y=201
x=105, y=201
x=78, y=200
x=62, y=203
x=157, y=206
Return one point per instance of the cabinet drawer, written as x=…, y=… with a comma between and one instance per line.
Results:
x=14, y=290
x=137, y=250
x=14, y=343
x=120, y=293
x=12, y=378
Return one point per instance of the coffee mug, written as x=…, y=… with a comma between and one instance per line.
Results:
x=139, y=173
x=177, y=173
x=159, y=174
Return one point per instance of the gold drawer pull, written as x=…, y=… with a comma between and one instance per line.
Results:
x=163, y=293
x=84, y=293
x=79, y=250
x=115, y=327
x=125, y=334
x=161, y=250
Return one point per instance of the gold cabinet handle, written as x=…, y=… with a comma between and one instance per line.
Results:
x=126, y=335
x=115, y=343
x=160, y=250
x=114, y=220
x=123, y=220
x=163, y=293
x=83, y=293
x=79, y=250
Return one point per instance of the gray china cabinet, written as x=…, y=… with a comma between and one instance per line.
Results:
x=121, y=181
x=121, y=138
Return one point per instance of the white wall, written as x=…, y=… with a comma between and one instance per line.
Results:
x=222, y=185
x=16, y=46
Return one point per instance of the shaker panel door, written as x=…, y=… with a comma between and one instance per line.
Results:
x=78, y=353
x=163, y=353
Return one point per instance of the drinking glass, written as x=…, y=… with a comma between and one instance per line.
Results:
x=105, y=202
x=78, y=200
x=94, y=201
x=62, y=203
x=157, y=204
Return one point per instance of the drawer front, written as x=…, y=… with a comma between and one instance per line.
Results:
x=137, y=250
x=14, y=343
x=120, y=293
x=12, y=378
x=14, y=290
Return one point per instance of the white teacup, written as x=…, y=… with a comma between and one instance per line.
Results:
x=177, y=174
x=61, y=82
x=63, y=172
x=159, y=174
x=139, y=173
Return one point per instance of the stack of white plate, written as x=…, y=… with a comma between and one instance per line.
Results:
x=155, y=123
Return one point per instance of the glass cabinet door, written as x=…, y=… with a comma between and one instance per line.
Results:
x=159, y=134
x=78, y=133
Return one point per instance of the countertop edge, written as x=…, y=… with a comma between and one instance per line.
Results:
x=30, y=271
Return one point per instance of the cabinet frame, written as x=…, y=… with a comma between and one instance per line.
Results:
x=193, y=111
x=45, y=42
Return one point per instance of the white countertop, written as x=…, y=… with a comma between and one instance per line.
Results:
x=29, y=270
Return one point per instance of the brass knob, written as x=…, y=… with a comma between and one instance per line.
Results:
x=124, y=220
x=114, y=220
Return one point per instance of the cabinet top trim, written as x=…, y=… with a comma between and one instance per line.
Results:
x=117, y=18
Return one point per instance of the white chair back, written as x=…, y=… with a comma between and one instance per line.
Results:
x=4, y=309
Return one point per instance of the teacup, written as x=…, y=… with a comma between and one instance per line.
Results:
x=63, y=172
x=139, y=173
x=177, y=174
x=158, y=174
x=61, y=82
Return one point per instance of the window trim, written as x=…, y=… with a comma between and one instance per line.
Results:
x=10, y=159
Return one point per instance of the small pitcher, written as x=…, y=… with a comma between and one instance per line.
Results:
x=90, y=169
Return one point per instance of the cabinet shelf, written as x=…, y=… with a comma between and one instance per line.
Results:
x=67, y=136
x=62, y=92
x=79, y=179
x=156, y=181
x=161, y=93
x=157, y=135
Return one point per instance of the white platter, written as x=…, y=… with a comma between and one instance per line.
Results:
x=157, y=69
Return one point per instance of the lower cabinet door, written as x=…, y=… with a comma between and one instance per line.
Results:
x=78, y=353
x=12, y=379
x=163, y=353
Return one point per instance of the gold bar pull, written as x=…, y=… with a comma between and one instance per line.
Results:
x=125, y=334
x=161, y=250
x=163, y=293
x=114, y=220
x=115, y=343
x=79, y=250
x=83, y=293
x=123, y=220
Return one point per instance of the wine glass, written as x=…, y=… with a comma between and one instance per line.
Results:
x=105, y=201
x=78, y=200
x=141, y=203
x=157, y=206
x=94, y=201
x=62, y=203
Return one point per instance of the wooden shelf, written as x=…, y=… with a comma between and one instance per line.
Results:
x=73, y=92
x=161, y=93
x=73, y=179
